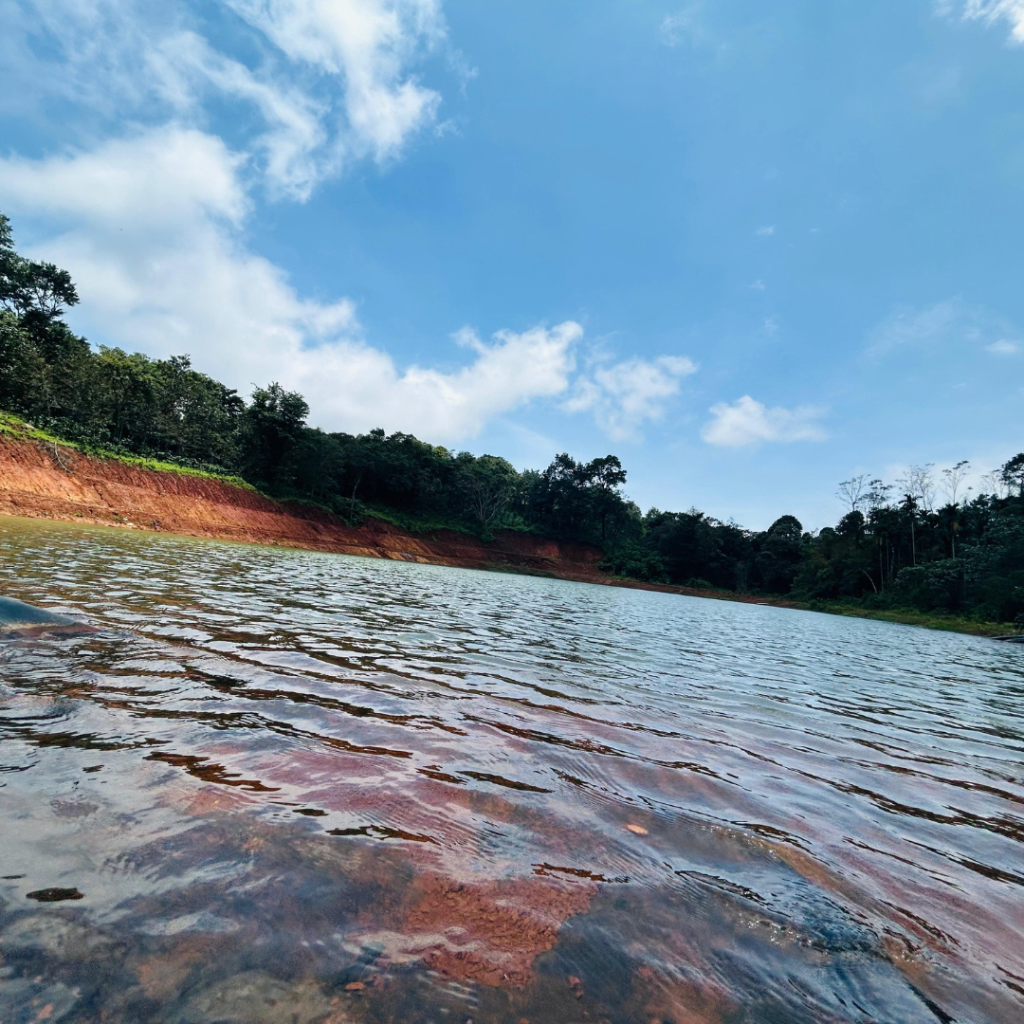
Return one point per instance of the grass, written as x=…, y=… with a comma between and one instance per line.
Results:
x=911, y=617
x=13, y=426
x=417, y=524
x=905, y=616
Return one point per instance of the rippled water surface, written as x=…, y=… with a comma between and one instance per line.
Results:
x=301, y=787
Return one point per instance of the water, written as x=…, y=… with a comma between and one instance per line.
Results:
x=292, y=786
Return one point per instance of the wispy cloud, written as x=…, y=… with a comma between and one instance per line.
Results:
x=989, y=11
x=766, y=230
x=748, y=422
x=625, y=395
x=1004, y=347
x=329, y=82
x=915, y=326
x=949, y=321
x=687, y=26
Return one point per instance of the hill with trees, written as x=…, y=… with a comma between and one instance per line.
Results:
x=896, y=547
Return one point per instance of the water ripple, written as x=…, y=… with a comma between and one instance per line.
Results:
x=518, y=795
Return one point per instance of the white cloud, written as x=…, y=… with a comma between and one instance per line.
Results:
x=1003, y=347
x=624, y=396
x=758, y=285
x=367, y=43
x=156, y=180
x=768, y=229
x=911, y=326
x=685, y=26
x=771, y=325
x=950, y=321
x=295, y=142
x=330, y=80
x=748, y=422
x=990, y=12
x=150, y=228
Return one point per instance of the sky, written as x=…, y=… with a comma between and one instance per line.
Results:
x=752, y=249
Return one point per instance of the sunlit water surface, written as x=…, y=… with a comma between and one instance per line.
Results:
x=300, y=787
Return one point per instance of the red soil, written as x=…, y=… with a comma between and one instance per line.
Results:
x=39, y=480
x=490, y=932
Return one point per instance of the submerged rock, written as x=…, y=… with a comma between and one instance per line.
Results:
x=254, y=997
x=18, y=618
x=54, y=895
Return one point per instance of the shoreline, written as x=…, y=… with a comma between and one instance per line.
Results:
x=41, y=478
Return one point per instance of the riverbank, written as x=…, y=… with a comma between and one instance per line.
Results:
x=46, y=478
x=43, y=478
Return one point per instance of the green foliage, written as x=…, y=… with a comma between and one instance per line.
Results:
x=581, y=501
x=694, y=546
x=636, y=561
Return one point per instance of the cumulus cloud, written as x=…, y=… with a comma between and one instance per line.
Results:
x=748, y=422
x=990, y=12
x=624, y=396
x=150, y=227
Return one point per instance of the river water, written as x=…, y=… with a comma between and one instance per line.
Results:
x=300, y=787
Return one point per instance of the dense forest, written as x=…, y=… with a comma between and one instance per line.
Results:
x=896, y=546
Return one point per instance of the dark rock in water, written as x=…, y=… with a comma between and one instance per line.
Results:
x=54, y=895
x=16, y=613
x=17, y=618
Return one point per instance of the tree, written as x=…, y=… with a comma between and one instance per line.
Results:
x=779, y=555
x=28, y=288
x=490, y=486
x=605, y=476
x=919, y=484
x=953, y=477
x=271, y=429
x=1012, y=475
x=854, y=492
x=909, y=508
x=877, y=495
x=581, y=500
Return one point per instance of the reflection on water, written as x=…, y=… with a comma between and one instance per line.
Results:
x=290, y=786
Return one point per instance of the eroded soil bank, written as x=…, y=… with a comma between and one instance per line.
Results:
x=41, y=480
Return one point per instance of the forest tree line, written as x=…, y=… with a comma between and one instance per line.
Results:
x=920, y=542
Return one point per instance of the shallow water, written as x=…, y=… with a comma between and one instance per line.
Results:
x=292, y=786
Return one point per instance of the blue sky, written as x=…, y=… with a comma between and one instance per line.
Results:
x=751, y=248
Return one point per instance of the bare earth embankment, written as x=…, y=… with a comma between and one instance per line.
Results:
x=44, y=481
